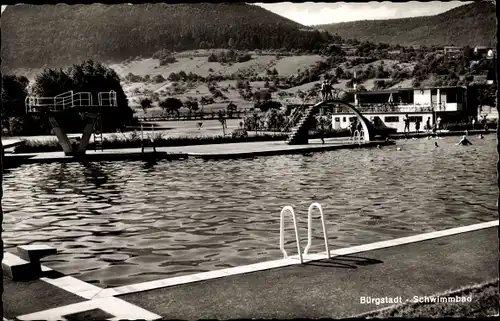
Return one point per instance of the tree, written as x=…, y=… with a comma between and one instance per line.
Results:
x=268, y=105
x=13, y=108
x=171, y=105
x=13, y=95
x=231, y=108
x=146, y=103
x=158, y=79
x=468, y=53
x=90, y=77
x=192, y=105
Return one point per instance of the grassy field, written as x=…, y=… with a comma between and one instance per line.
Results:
x=484, y=303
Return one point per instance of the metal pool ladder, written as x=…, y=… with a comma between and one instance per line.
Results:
x=282, y=232
x=309, y=231
x=309, y=228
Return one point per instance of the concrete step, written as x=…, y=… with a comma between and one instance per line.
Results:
x=18, y=269
x=33, y=253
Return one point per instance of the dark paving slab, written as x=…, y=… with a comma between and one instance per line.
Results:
x=21, y=298
x=332, y=288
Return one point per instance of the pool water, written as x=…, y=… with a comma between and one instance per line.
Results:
x=117, y=223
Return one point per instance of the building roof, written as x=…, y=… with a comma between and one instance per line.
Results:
x=379, y=92
x=397, y=90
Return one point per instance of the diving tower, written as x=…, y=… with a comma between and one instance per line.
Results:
x=80, y=102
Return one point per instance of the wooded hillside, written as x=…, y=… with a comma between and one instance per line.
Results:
x=472, y=24
x=34, y=36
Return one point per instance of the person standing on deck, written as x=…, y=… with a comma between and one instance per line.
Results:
x=473, y=123
x=428, y=125
x=323, y=89
x=321, y=130
x=417, y=125
x=406, y=119
x=329, y=90
x=351, y=129
x=438, y=123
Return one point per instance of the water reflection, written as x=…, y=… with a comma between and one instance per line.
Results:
x=125, y=222
x=94, y=174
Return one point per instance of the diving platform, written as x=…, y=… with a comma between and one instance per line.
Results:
x=80, y=102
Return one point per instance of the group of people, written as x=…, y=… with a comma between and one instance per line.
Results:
x=428, y=127
x=326, y=90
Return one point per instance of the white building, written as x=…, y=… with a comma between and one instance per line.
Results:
x=391, y=106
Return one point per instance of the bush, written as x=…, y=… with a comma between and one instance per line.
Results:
x=158, y=79
x=133, y=78
x=167, y=60
x=134, y=141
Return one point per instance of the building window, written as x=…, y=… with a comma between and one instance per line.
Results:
x=413, y=119
x=343, y=119
x=391, y=119
x=352, y=119
x=337, y=119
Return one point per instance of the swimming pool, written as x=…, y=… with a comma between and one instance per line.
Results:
x=117, y=223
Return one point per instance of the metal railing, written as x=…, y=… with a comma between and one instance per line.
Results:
x=393, y=107
x=282, y=232
x=82, y=99
x=63, y=101
x=67, y=100
x=107, y=98
x=309, y=228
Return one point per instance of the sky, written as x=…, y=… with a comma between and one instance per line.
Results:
x=314, y=13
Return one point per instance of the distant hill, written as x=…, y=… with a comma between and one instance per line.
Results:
x=34, y=36
x=472, y=24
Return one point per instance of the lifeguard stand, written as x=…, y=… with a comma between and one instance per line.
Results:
x=80, y=102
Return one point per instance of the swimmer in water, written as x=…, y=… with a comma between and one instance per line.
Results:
x=481, y=136
x=436, y=144
x=464, y=141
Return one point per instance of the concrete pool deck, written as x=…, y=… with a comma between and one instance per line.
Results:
x=208, y=151
x=420, y=265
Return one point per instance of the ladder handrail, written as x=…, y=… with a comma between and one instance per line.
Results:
x=282, y=232
x=358, y=134
x=309, y=228
x=296, y=113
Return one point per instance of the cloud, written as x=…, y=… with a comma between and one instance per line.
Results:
x=322, y=13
